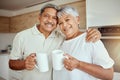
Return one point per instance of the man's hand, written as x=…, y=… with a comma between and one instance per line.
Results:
x=93, y=35
x=30, y=62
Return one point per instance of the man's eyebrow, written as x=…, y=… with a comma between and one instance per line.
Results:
x=50, y=14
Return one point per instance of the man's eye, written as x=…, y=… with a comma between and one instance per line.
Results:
x=45, y=15
x=60, y=23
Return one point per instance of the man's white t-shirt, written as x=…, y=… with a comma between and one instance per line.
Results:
x=32, y=41
x=94, y=53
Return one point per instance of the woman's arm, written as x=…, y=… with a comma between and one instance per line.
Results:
x=92, y=69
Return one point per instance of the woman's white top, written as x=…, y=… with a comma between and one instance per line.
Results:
x=94, y=53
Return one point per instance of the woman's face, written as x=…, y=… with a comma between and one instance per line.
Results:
x=69, y=25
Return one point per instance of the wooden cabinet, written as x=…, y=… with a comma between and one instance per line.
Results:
x=22, y=22
x=4, y=24
x=18, y=23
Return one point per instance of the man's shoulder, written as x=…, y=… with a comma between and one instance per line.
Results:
x=24, y=32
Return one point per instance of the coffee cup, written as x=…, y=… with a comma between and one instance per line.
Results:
x=42, y=62
x=57, y=59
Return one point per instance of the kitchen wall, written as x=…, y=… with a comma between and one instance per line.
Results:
x=6, y=39
x=27, y=20
x=113, y=48
x=21, y=22
x=24, y=21
x=9, y=26
x=4, y=24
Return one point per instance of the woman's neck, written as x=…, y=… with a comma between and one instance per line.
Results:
x=75, y=35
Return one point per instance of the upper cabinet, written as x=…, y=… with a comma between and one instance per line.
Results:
x=4, y=24
x=102, y=12
x=22, y=22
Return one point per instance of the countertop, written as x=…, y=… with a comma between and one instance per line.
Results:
x=5, y=53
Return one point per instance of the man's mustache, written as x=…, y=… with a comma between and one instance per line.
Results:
x=49, y=23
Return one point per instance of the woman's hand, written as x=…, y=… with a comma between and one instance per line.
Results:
x=70, y=62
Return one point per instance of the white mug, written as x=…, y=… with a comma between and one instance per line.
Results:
x=57, y=59
x=42, y=62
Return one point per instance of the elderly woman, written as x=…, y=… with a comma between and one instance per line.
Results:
x=86, y=61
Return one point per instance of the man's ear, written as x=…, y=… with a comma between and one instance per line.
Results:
x=39, y=17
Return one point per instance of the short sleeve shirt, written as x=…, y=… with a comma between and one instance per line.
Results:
x=32, y=41
x=94, y=53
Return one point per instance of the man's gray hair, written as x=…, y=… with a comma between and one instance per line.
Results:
x=69, y=10
x=49, y=6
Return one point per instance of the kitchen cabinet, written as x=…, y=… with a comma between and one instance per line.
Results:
x=5, y=71
x=4, y=24
x=110, y=32
x=102, y=12
x=4, y=68
x=15, y=75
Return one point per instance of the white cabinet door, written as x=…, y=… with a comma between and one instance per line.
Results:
x=102, y=12
x=4, y=68
x=5, y=71
x=15, y=75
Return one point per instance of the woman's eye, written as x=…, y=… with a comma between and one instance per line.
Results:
x=67, y=20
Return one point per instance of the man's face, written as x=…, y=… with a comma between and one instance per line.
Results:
x=48, y=20
x=68, y=25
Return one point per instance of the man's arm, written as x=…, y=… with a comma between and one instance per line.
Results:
x=93, y=35
x=28, y=63
x=17, y=64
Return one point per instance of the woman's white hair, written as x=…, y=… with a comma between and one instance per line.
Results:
x=69, y=10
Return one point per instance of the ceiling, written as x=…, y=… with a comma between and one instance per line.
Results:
x=18, y=7
x=19, y=4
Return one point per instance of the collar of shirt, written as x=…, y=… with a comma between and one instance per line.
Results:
x=35, y=31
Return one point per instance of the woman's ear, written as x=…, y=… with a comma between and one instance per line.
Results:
x=78, y=19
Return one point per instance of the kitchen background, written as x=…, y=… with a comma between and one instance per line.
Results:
x=93, y=13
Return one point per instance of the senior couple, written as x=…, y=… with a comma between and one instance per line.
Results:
x=87, y=57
